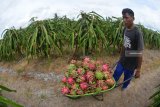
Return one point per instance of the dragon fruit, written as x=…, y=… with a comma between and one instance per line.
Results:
x=75, y=86
x=64, y=80
x=91, y=80
x=80, y=71
x=105, y=67
x=85, y=65
x=89, y=74
x=70, y=80
x=86, y=59
x=81, y=79
x=84, y=85
x=104, y=87
x=110, y=82
x=65, y=90
x=100, y=83
x=92, y=66
x=99, y=75
x=107, y=75
x=90, y=77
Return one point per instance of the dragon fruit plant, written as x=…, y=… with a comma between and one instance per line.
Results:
x=86, y=76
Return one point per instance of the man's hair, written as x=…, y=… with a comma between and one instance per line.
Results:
x=129, y=11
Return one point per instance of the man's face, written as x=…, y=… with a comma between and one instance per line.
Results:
x=128, y=20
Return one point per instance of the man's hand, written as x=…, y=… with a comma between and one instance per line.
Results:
x=138, y=70
x=137, y=74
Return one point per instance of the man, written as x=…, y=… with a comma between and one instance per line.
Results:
x=131, y=54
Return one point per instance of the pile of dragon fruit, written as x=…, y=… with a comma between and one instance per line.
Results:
x=86, y=76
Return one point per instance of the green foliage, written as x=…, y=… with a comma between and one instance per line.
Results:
x=156, y=98
x=5, y=102
x=90, y=32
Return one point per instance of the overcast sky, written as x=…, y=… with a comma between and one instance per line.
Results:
x=18, y=12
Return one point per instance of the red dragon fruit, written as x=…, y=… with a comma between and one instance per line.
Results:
x=105, y=87
x=83, y=85
x=86, y=59
x=65, y=90
x=80, y=71
x=92, y=66
x=91, y=80
x=105, y=67
x=70, y=80
x=90, y=77
x=89, y=74
x=85, y=65
x=110, y=82
x=109, y=76
x=64, y=80
x=100, y=83
x=81, y=79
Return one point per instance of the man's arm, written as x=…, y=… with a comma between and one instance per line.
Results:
x=138, y=69
x=140, y=53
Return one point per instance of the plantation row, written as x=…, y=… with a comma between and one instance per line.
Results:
x=91, y=32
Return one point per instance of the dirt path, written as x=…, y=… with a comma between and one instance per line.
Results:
x=37, y=93
x=38, y=88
